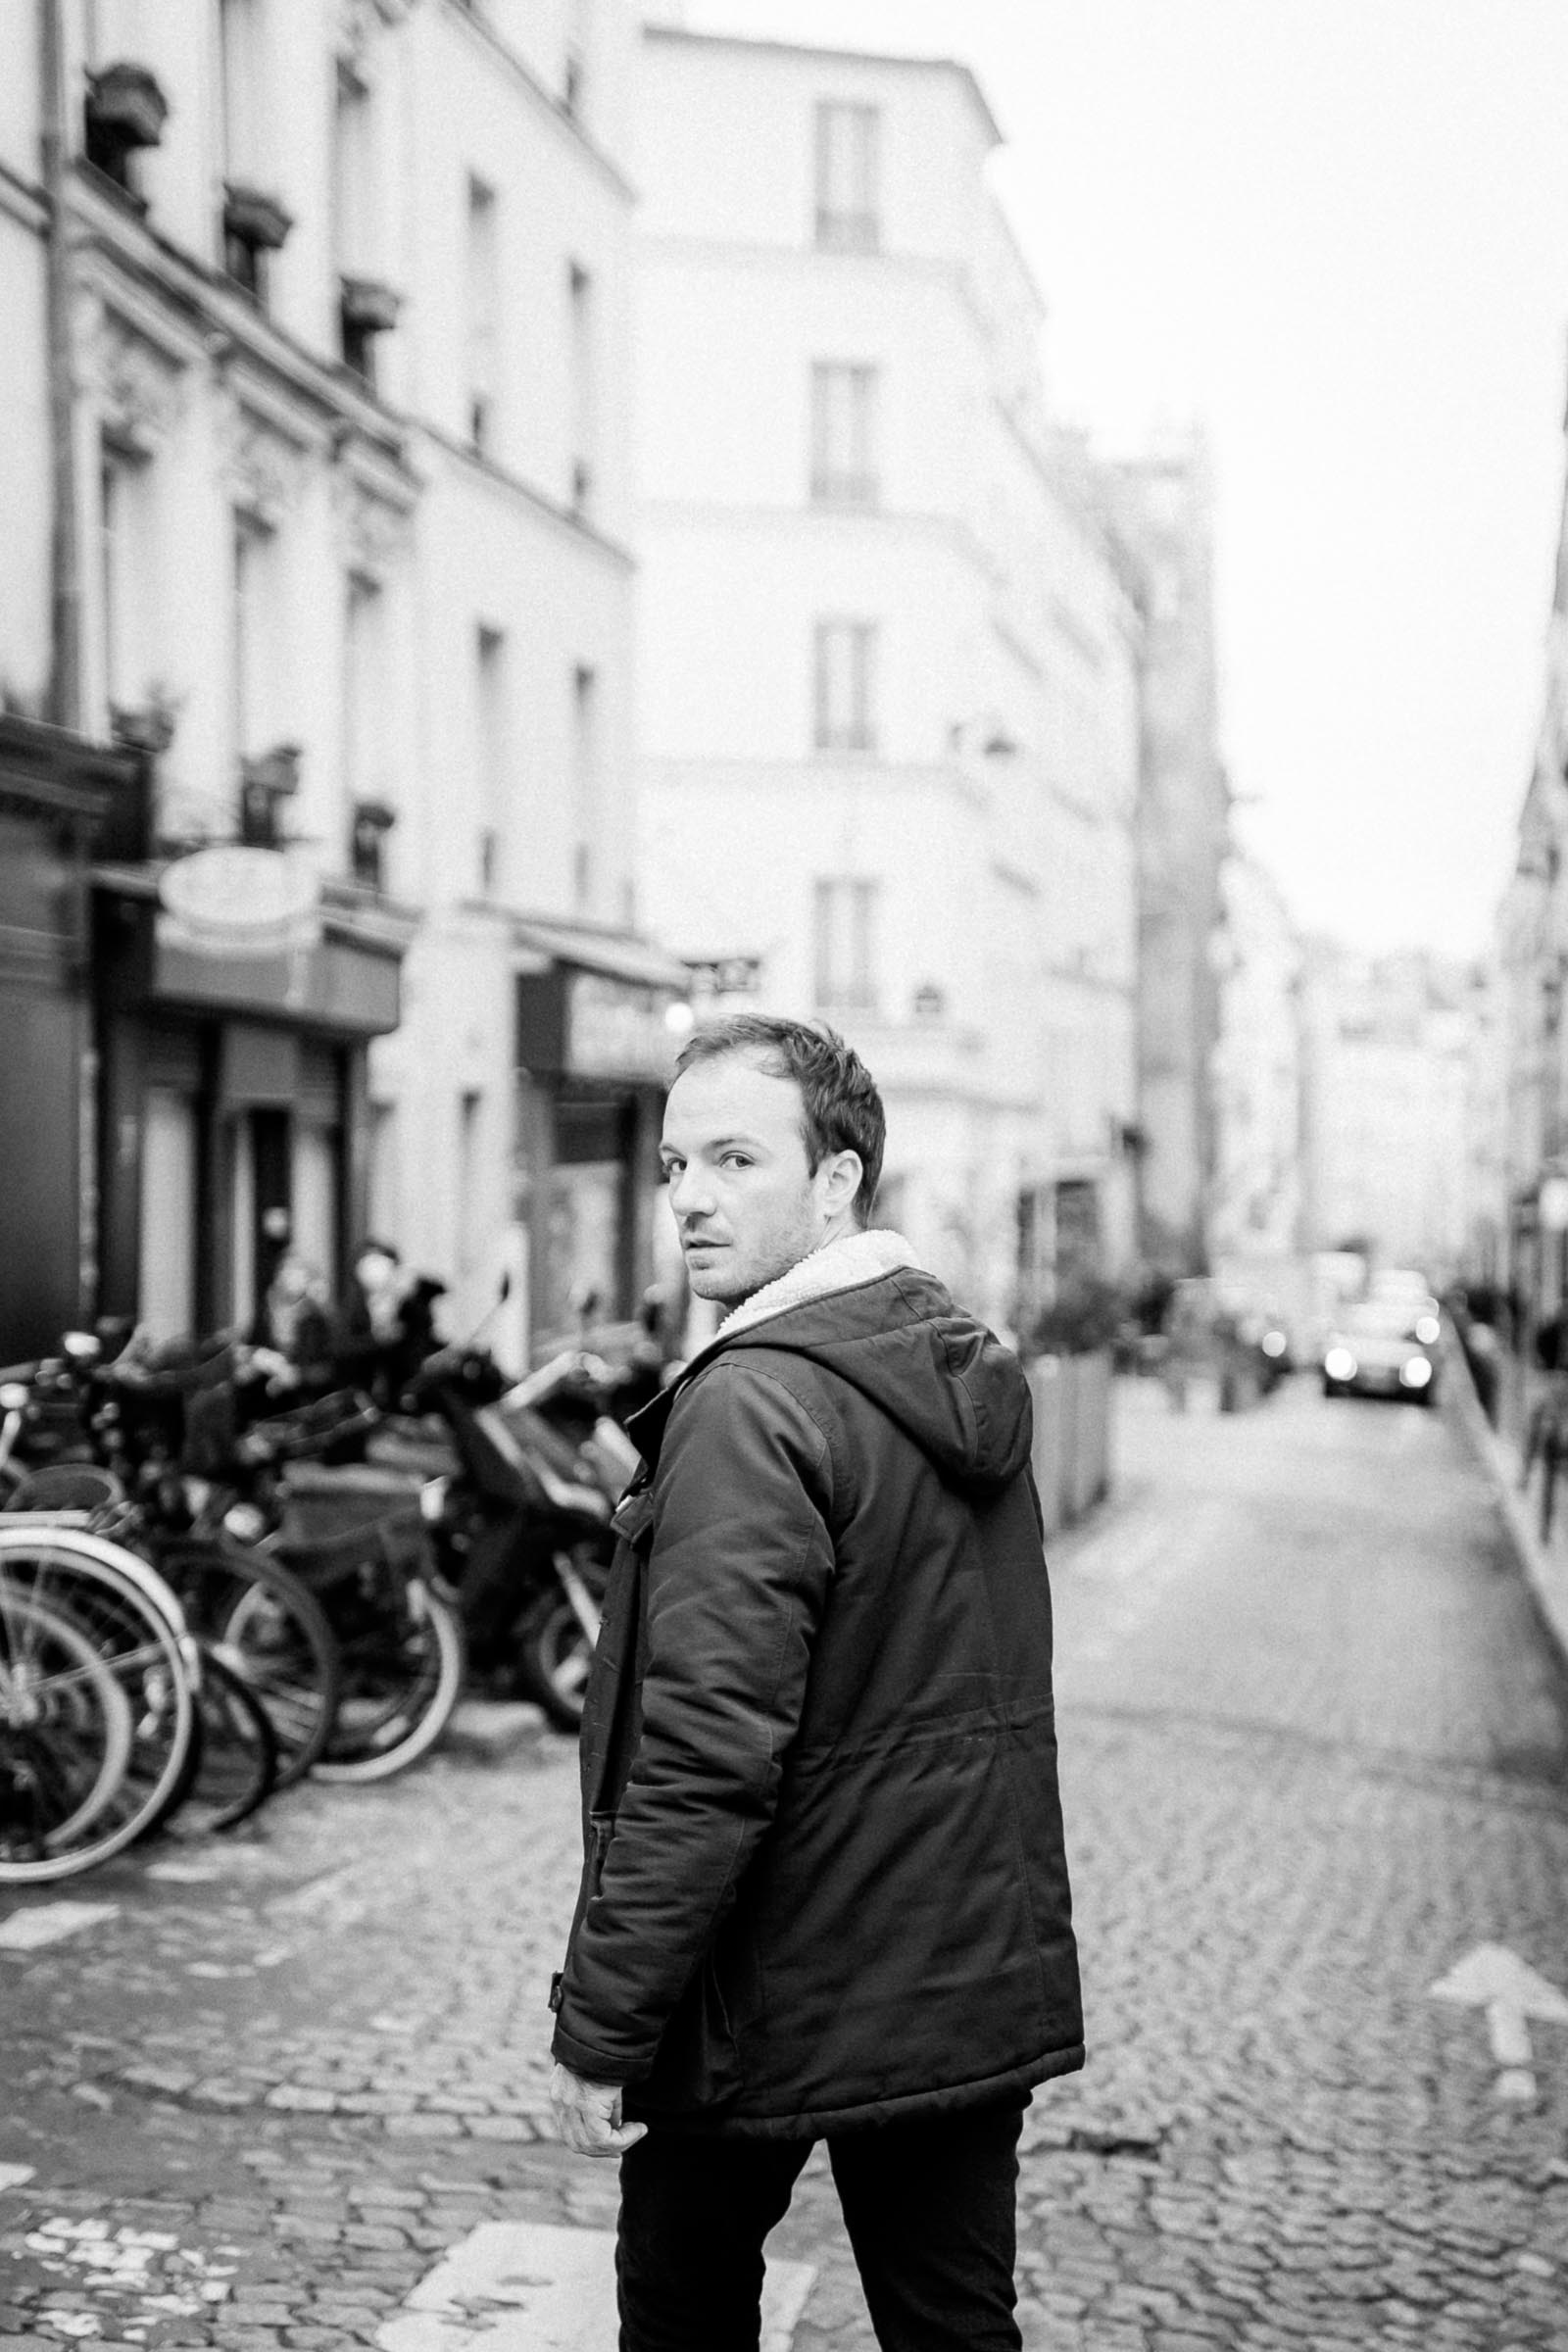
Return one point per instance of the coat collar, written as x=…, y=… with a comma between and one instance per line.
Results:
x=840, y=1265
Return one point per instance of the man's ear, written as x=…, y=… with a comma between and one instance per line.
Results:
x=844, y=1173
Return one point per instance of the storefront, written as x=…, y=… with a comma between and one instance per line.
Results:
x=601, y=1019
x=236, y=998
x=55, y=789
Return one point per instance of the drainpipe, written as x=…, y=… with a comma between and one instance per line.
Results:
x=64, y=569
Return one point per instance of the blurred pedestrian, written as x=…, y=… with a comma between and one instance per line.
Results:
x=825, y=1891
x=388, y=1326
x=294, y=1324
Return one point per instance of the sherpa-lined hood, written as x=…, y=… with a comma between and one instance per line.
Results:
x=865, y=1308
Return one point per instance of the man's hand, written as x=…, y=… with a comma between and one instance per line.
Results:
x=588, y=2114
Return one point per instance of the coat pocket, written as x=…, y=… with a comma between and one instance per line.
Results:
x=699, y=2062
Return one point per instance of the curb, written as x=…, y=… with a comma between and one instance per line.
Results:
x=488, y=1731
x=1545, y=1578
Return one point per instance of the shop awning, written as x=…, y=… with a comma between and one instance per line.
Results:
x=616, y=954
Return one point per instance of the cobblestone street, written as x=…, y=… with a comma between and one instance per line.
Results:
x=1315, y=1754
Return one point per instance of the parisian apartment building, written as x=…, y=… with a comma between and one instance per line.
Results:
x=1522, y=1027
x=316, y=649
x=889, y=657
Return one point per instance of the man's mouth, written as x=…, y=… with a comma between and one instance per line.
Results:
x=700, y=1241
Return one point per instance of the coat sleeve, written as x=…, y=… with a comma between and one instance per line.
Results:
x=742, y=1559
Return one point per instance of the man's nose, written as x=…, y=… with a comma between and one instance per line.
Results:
x=691, y=1193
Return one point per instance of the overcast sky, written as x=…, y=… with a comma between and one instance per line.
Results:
x=1336, y=232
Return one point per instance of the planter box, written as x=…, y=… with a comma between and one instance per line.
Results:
x=256, y=218
x=1072, y=1403
x=369, y=308
x=126, y=107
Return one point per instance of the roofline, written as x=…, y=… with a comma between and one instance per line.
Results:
x=849, y=57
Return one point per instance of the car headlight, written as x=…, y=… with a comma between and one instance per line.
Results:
x=1340, y=1364
x=1415, y=1372
x=1273, y=1342
x=245, y=1522
x=1427, y=1331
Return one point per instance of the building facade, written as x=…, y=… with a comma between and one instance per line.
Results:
x=1529, y=967
x=1255, y=1214
x=887, y=661
x=321, y=349
x=1164, y=508
x=1388, y=1086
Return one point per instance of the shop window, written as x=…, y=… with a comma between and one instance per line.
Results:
x=847, y=169
x=167, y=1225
x=843, y=943
x=845, y=659
x=844, y=398
x=314, y=1201
x=385, y=1209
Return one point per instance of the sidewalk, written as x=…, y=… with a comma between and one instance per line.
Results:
x=1500, y=1455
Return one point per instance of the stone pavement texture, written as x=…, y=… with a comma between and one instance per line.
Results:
x=1315, y=1749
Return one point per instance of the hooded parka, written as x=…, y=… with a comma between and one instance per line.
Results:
x=825, y=1882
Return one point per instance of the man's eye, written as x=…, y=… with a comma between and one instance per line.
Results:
x=735, y=1159
x=669, y=1169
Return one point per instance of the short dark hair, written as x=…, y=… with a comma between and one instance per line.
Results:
x=841, y=1109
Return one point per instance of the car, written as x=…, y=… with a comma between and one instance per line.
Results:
x=1384, y=1348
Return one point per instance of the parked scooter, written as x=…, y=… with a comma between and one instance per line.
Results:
x=520, y=1518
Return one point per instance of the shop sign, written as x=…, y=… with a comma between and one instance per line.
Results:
x=233, y=901
x=617, y=1030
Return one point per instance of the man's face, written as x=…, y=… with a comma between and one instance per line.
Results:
x=746, y=1205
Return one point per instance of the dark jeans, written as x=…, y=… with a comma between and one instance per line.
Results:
x=930, y=2208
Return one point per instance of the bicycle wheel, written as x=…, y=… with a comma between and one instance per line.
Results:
x=266, y=1626
x=98, y=1683
x=554, y=1656
x=237, y=1762
x=404, y=1657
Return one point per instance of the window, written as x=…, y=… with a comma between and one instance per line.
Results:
x=470, y=1129
x=240, y=64
x=490, y=755
x=574, y=77
x=843, y=919
x=255, y=636
x=585, y=783
x=353, y=174
x=842, y=428
x=484, y=314
x=845, y=658
x=366, y=686
x=127, y=583
x=848, y=139
x=268, y=766
x=580, y=298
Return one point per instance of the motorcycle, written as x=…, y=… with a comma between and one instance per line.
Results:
x=519, y=1511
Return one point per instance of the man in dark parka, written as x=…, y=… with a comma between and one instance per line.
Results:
x=825, y=1891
